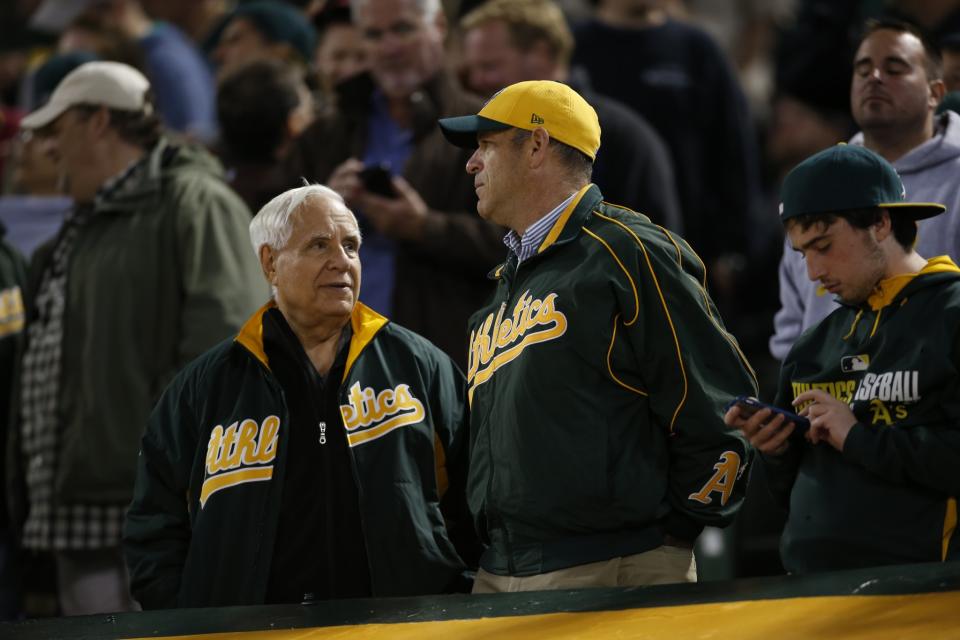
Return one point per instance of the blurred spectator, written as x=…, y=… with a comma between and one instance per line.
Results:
x=426, y=253
x=182, y=81
x=197, y=19
x=144, y=276
x=263, y=29
x=950, y=50
x=675, y=75
x=13, y=277
x=91, y=33
x=745, y=30
x=894, y=92
x=950, y=102
x=508, y=41
x=35, y=207
x=262, y=107
x=341, y=51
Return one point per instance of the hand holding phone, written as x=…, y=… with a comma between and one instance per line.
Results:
x=377, y=179
x=749, y=406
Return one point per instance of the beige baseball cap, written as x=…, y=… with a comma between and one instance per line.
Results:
x=111, y=84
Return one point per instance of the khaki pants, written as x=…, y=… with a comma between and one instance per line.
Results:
x=663, y=565
x=93, y=581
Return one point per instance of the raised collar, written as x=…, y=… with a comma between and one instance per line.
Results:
x=887, y=290
x=364, y=321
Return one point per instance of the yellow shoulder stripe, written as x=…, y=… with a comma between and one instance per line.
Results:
x=613, y=338
x=633, y=285
x=666, y=312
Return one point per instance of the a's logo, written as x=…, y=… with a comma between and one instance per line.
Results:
x=370, y=415
x=849, y=364
x=11, y=311
x=724, y=477
x=535, y=119
x=241, y=453
x=499, y=340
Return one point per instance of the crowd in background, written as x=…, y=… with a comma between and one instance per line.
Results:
x=704, y=106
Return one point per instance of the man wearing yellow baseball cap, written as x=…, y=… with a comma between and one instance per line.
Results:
x=597, y=372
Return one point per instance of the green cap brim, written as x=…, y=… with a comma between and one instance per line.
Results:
x=916, y=210
x=462, y=131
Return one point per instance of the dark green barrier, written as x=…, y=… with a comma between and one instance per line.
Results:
x=913, y=601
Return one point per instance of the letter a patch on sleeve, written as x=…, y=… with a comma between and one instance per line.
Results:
x=724, y=476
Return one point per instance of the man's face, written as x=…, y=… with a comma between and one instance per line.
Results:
x=406, y=49
x=68, y=142
x=341, y=54
x=497, y=176
x=890, y=89
x=848, y=262
x=34, y=171
x=239, y=43
x=492, y=60
x=317, y=274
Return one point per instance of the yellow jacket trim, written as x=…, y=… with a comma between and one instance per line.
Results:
x=949, y=525
x=636, y=296
x=562, y=220
x=666, y=312
x=888, y=289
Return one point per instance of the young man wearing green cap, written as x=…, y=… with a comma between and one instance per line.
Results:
x=598, y=371
x=874, y=480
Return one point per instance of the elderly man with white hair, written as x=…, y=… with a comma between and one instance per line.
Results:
x=319, y=451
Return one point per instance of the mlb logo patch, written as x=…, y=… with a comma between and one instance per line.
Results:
x=850, y=364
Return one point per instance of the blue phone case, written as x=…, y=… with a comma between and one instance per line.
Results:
x=752, y=404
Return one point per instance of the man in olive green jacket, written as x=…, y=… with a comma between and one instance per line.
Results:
x=147, y=273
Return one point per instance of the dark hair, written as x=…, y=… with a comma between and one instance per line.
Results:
x=904, y=228
x=140, y=128
x=934, y=60
x=577, y=163
x=253, y=105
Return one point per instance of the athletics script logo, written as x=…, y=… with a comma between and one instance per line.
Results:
x=371, y=415
x=501, y=339
x=243, y=452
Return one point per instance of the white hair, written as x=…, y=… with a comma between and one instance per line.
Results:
x=273, y=224
x=428, y=9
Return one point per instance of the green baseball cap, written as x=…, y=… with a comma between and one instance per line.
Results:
x=846, y=177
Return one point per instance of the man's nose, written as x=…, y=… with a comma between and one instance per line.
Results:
x=814, y=269
x=473, y=164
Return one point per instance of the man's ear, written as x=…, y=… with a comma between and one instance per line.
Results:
x=268, y=263
x=539, y=147
x=938, y=89
x=100, y=121
x=884, y=226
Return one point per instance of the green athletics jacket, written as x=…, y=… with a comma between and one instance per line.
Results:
x=162, y=272
x=598, y=376
x=891, y=496
x=200, y=531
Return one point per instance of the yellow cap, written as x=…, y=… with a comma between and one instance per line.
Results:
x=563, y=112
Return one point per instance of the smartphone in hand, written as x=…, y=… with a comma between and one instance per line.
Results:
x=749, y=406
x=378, y=179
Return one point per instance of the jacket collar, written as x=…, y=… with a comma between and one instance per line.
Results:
x=568, y=225
x=364, y=321
x=889, y=290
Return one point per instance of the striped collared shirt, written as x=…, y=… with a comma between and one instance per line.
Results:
x=526, y=245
